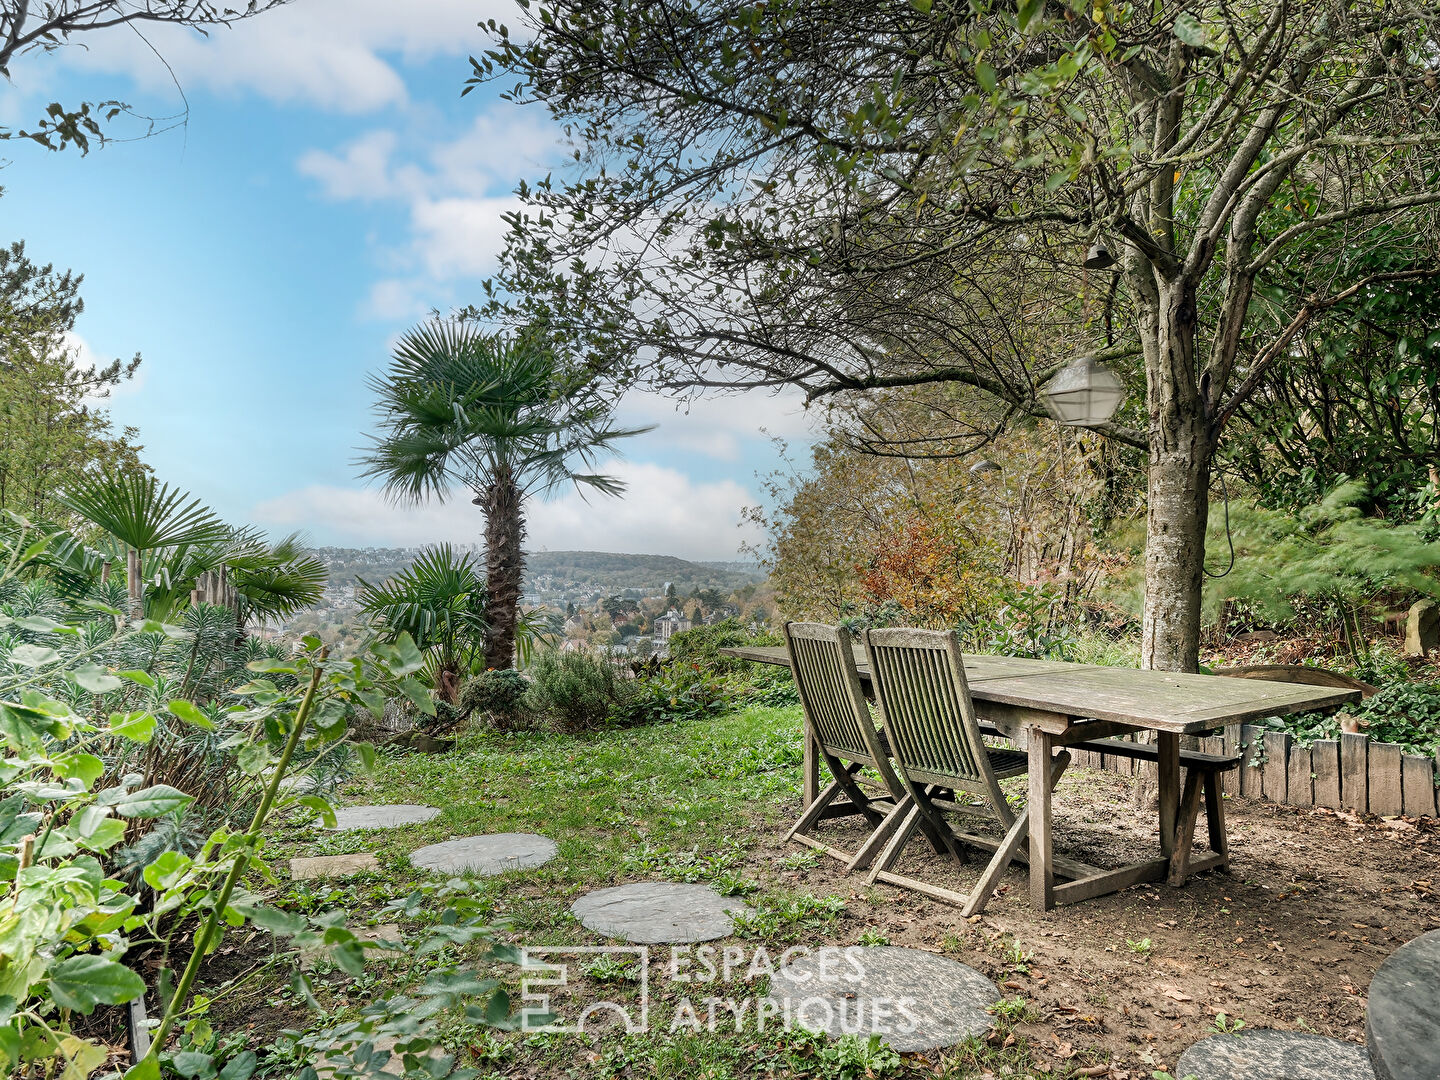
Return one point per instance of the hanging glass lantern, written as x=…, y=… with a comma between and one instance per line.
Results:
x=1084, y=394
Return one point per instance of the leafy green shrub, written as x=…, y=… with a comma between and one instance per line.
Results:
x=763, y=684
x=496, y=695
x=678, y=691
x=576, y=691
x=702, y=646
x=1407, y=713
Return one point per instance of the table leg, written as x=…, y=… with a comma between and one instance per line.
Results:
x=1042, y=852
x=1169, y=786
x=810, y=790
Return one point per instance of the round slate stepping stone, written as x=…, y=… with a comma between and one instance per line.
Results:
x=658, y=913
x=1274, y=1055
x=914, y=1000
x=389, y=816
x=1402, y=1017
x=486, y=855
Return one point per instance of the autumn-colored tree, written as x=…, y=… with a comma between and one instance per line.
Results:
x=930, y=578
x=838, y=534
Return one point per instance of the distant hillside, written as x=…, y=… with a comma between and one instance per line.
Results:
x=598, y=569
x=620, y=571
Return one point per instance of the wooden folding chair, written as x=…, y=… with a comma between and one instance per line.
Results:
x=837, y=718
x=933, y=734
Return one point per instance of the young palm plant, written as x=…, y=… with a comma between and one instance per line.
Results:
x=439, y=600
x=497, y=415
x=143, y=515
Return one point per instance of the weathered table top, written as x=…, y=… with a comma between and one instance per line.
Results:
x=1159, y=700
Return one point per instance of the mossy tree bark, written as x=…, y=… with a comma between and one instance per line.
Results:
x=504, y=565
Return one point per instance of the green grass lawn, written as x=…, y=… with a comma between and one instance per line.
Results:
x=700, y=802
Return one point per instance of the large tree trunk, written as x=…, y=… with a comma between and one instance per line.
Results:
x=504, y=568
x=1178, y=490
x=1178, y=494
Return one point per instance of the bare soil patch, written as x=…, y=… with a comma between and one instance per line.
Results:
x=1289, y=939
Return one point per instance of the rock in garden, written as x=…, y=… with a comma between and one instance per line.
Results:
x=658, y=913
x=914, y=1000
x=486, y=855
x=1274, y=1055
x=1422, y=628
x=1402, y=1014
x=389, y=816
x=327, y=866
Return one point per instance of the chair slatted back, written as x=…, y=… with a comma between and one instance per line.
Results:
x=822, y=661
x=925, y=706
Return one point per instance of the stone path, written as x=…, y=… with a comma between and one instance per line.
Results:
x=486, y=855
x=390, y=816
x=658, y=913
x=327, y=866
x=913, y=999
x=1402, y=1017
x=1274, y=1055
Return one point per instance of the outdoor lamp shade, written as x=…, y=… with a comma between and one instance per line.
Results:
x=1085, y=394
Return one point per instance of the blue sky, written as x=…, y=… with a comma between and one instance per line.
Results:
x=329, y=187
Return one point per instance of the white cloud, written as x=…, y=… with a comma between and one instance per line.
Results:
x=456, y=193
x=397, y=299
x=334, y=54
x=714, y=425
x=89, y=359
x=460, y=236
x=662, y=512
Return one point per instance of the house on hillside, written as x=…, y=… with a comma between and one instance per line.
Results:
x=672, y=622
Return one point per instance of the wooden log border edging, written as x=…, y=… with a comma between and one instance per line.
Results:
x=1349, y=773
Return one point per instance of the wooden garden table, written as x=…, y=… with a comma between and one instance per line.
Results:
x=1042, y=705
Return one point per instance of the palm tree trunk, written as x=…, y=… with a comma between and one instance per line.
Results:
x=504, y=567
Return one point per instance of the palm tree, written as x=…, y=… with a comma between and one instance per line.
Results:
x=439, y=600
x=500, y=416
x=143, y=515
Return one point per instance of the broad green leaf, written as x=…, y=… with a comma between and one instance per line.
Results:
x=1189, y=30
x=82, y=1057
x=135, y=726
x=86, y=767
x=349, y=956
x=241, y=1067
x=38, y=623
x=96, y=679
x=419, y=694
x=142, y=677
x=1029, y=15
x=366, y=753
x=321, y=807
x=408, y=658
x=985, y=75
x=33, y=656
x=167, y=870
x=272, y=919
x=252, y=758
x=187, y=712
x=330, y=718
x=151, y=802
x=105, y=835
x=193, y=1064
x=269, y=663
x=147, y=1069
x=82, y=982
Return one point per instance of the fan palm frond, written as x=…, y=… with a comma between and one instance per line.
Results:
x=141, y=512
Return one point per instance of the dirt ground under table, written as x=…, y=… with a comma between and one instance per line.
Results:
x=1314, y=902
